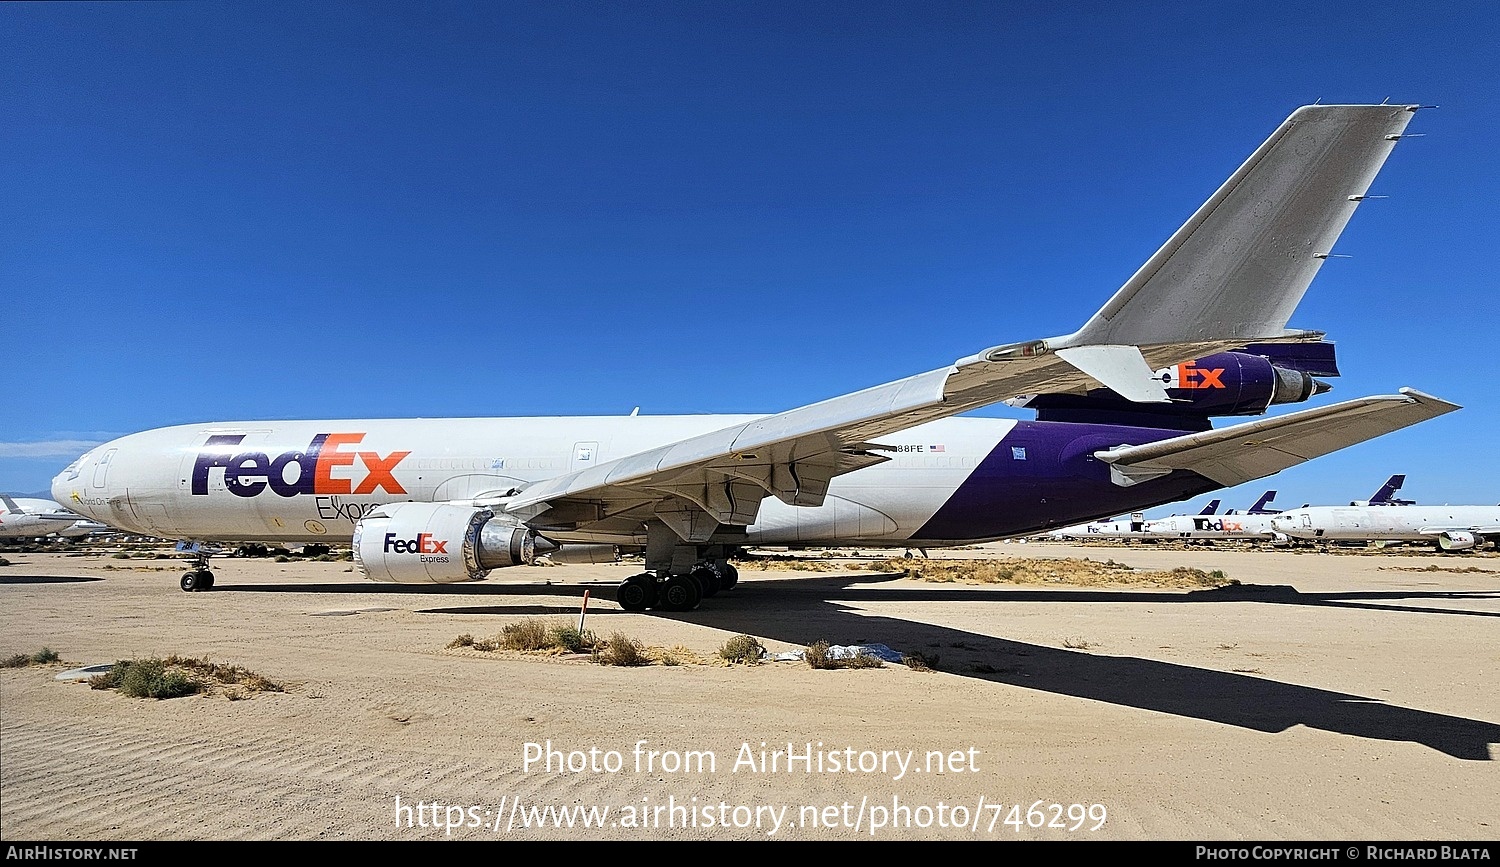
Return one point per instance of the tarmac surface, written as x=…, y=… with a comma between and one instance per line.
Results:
x=1324, y=697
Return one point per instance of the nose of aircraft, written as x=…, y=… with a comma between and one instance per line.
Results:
x=67, y=490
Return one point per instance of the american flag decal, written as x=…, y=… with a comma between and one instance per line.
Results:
x=937, y=448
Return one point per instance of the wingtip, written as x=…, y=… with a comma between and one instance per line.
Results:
x=1431, y=400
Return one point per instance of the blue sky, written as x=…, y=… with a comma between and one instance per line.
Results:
x=271, y=210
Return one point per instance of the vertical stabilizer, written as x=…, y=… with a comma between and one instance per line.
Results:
x=1260, y=507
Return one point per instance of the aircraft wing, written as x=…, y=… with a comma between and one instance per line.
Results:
x=1438, y=530
x=1253, y=450
x=1230, y=276
x=723, y=476
x=49, y=515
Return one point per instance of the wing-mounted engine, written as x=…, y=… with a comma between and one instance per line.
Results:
x=438, y=543
x=1457, y=540
x=1243, y=382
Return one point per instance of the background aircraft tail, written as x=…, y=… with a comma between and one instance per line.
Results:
x=1260, y=505
x=1386, y=496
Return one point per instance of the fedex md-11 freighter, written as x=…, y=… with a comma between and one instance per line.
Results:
x=1123, y=407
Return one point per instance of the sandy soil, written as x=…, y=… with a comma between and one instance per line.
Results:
x=1326, y=698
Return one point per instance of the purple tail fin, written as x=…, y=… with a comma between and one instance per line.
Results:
x=1260, y=505
x=1386, y=496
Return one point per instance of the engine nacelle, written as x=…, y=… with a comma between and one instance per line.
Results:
x=1457, y=540
x=1223, y=384
x=438, y=543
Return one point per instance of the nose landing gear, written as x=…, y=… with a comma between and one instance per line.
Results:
x=198, y=577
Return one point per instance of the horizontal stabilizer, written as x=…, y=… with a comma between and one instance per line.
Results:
x=1244, y=452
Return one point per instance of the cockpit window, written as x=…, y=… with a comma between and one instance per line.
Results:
x=73, y=469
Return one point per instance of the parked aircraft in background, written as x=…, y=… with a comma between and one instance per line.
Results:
x=1132, y=527
x=1450, y=528
x=83, y=527
x=1253, y=523
x=1386, y=495
x=444, y=501
x=28, y=518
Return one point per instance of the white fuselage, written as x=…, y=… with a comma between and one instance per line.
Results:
x=1211, y=527
x=1387, y=523
x=311, y=481
x=35, y=518
x=1127, y=529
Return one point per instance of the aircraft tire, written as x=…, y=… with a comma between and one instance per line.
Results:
x=192, y=580
x=680, y=593
x=708, y=581
x=637, y=593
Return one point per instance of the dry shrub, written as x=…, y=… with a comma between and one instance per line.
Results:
x=921, y=661
x=789, y=563
x=621, y=649
x=146, y=678
x=674, y=655
x=566, y=637
x=529, y=634
x=223, y=674
x=816, y=656
x=745, y=649
x=1087, y=573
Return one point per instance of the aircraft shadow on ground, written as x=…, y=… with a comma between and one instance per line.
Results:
x=47, y=579
x=1232, y=698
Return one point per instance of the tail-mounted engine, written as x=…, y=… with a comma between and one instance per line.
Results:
x=438, y=543
x=1224, y=384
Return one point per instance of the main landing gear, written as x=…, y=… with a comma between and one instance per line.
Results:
x=681, y=592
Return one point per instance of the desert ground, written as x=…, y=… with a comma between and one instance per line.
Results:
x=1323, y=697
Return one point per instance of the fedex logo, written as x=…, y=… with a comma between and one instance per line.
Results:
x=1189, y=375
x=1220, y=525
x=423, y=544
x=249, y=473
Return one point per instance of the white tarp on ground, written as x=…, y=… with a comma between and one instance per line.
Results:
x=846, y=651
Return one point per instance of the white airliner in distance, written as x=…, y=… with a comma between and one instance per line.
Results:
x=444, y=501
x=1449, y=528
x=30, y=518
x=1253, y=523
x=1133, y=527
